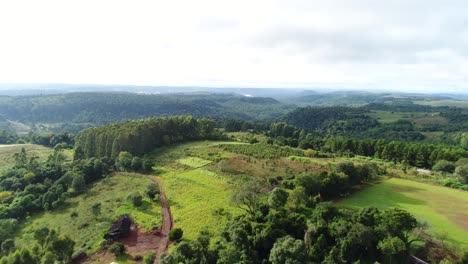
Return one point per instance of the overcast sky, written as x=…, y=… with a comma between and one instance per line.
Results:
x=417, y=45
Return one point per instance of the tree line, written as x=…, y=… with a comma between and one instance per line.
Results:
x=138, y=137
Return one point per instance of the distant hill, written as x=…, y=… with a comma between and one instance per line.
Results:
x=74, y=111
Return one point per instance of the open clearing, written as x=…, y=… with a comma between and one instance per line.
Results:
x=87, y=227
x=444, y=209
x=7, y=151
x=198, y=197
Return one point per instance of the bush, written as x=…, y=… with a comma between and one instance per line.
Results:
x=117, y=249
x=137, y=164
x=152, y=190
x=150, y=258
x=444, y=166
x=135, y=198
x=176, y=234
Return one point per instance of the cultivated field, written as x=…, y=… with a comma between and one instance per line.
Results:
x=444, y=209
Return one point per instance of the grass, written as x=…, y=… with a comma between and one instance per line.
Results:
x=198, y=196
x=7, y=151
x=194, y=162
x=86, y=228
x=444, y=209
x=388, y=116
x=195, y=197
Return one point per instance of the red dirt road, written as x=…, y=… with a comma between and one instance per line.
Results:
x=166, y=227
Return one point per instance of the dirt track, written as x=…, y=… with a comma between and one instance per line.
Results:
x=166, y=225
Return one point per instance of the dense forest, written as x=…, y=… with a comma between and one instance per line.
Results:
x=141, y=136
x=78, y=110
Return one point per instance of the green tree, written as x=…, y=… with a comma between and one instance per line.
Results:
x=48, y=258
x=176, y=234
x=137, y=164
x=7, y=246
x=277, y=198
x=41, y=236
x=152, y=190
x=462, y=172
x=444, y=166
x=247, y=197
x=150, y=258
x=124, y=161
x=393, y=248
x=135, y=198
x=117, y=249
x=288, y=250
x=62, y=247
x=78, y=183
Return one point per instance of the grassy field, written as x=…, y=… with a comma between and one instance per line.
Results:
x=444, y=209
x=7, y=151
x=87, y=228
x=388, y=117
x=198, y=196
x=419, y=118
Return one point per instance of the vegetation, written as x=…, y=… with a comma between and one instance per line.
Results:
x=140, y=137
x=88, y=216
x=262, y=197
x=442, y=208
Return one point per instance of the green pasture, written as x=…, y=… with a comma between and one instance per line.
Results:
x=444, y=209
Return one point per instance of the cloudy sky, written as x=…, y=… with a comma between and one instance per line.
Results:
x=417, y=45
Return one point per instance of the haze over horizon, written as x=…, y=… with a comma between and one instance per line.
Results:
x=416, y=46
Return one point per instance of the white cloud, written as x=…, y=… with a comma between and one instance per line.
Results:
x=416, y=45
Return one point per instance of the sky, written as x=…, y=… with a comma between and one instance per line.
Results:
x=406, y=45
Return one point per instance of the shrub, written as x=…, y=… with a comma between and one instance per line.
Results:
x=150, y=258
x=117, y=249
x=444, y=166
x=135, y=198
x=176, y=234
x=152, y=190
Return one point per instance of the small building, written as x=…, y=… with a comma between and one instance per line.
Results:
x=120, y=228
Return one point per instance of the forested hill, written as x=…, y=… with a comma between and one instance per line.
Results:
x=104, y=107
x=140, y=136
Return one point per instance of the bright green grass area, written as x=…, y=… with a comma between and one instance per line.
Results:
x=194, y=162
x=444, y=209
x=388, y=116
x=195, y=197
x=7, y=151
x=86, y=228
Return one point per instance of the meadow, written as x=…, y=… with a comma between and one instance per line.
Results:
x=198, y=197
x=444, y=209
x=86, y=226
x=419, y=118
x=7, y=151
